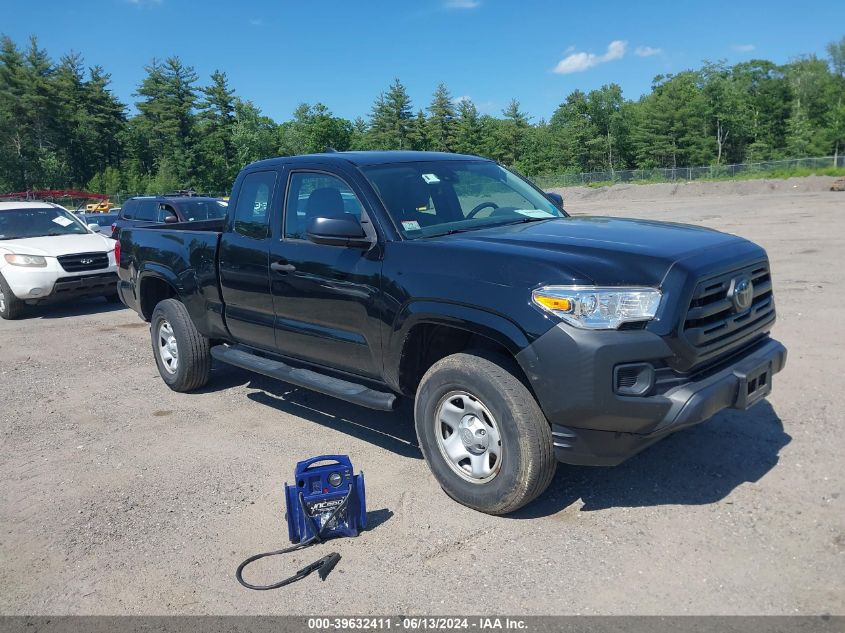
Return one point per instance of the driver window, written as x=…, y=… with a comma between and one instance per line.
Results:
x=165, y=210
x=312, y=194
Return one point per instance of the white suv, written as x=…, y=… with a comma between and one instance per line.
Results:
x=47, y=254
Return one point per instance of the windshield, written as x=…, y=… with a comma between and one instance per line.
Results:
x=38, y=222
x=440, y=197
x=203, y=209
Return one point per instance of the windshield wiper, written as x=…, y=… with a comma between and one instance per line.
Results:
x=524, y=220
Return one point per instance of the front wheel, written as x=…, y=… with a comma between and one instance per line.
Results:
x=182, y=354
x=10, y=306
x=482, y=433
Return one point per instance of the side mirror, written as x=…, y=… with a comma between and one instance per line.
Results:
x=345, y=230
x=556, y=198
x=171, y=219
x=93, y=227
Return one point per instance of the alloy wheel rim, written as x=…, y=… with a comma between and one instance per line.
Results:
x=468, y=437
x=168, y=350
x=2, y=301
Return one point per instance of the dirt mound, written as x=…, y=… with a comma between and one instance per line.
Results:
x=695, y=189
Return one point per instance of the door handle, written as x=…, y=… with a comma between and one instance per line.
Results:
x=281, y=267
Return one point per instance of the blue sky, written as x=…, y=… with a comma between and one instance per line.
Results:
x=279, y=53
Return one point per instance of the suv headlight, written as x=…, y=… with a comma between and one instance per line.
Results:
x=593, y=308
x=30, y=261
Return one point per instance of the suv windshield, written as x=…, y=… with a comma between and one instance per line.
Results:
x=37, y=222
x=203, y=209
x=439, y=197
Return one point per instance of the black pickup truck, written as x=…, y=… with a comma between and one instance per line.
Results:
x=526, y=336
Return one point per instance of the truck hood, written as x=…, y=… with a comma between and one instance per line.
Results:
x=599, y=250
x=56, y=245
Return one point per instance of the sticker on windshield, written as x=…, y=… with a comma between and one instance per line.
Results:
x=62, y=220
x=430, y=179
x=410, y=225
x=534, y=213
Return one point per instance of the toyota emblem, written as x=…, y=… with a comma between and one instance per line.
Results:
x=741, y=293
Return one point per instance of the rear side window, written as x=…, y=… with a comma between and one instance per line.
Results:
x=128, y=210
x=147, y=210
x=253, y=208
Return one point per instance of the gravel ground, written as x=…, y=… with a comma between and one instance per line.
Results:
x=122, y=497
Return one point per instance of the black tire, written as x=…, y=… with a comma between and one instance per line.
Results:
x=193, y=366
x=11, y=307
x=527, y=463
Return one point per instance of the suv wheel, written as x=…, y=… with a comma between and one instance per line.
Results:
x=10, y=306
x=181, y=352
x=482, y=433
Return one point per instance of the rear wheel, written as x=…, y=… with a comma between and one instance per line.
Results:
x=483, y=434
x=181, y=352
x=10, y=306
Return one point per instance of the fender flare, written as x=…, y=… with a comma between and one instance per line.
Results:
x=492, y=325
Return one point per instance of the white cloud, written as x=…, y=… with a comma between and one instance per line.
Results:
x=647, y=51
x=743, y=48
x=462, y=4
x=579, y=62
x=457, y=100
x=256, y=22
x=145, y=3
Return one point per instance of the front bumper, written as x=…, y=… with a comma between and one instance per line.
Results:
x=53, y=283
x=593, y=425
x=90, y=285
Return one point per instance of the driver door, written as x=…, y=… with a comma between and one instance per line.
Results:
x=324, y=296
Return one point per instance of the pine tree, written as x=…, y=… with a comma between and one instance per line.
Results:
x=359, y=139
x=215, y=151
x=418, y=133
x=441, y=121
x=512, y=134
x=390, y=118
x=467, y=129
x=167, y=115
x=16, y=153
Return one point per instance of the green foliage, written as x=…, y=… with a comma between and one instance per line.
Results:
x=61, y=126
x=390, y=119
x=441, y=121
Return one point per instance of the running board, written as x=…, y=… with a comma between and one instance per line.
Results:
x=343, y=389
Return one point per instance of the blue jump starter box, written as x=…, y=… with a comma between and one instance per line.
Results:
x=321, y=485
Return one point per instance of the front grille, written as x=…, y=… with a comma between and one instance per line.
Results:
x=85, y=283
x=84, y=261
x=713, y=325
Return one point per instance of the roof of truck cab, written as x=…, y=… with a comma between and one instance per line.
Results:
x=364, y=159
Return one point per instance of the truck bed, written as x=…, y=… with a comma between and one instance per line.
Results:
x=182, y=256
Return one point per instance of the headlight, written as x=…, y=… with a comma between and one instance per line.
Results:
x=594, y=308
x=30, y=261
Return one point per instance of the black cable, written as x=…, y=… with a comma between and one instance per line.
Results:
x=328, y=561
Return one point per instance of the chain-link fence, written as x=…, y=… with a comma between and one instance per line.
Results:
x=669, y=174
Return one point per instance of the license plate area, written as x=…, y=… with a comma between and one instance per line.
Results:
x=754, y=385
